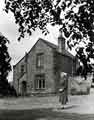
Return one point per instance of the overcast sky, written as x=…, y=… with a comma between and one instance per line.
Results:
x=17, y=49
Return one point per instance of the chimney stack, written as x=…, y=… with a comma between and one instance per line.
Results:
x=61, y=42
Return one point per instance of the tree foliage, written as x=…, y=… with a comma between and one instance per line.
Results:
x=5, y=66
x=75, y=18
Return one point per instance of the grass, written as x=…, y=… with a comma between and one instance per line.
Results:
x=41, y=114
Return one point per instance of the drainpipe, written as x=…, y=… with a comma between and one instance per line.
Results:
x=18, y=87
x=72, y=68
x=26, y=58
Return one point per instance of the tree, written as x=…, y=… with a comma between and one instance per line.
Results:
x=75, y=18
x=5, y=66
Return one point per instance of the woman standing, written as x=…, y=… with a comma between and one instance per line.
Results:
x=64, y=90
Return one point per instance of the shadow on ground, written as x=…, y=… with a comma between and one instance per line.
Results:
x=67, y=107
x=41, y=114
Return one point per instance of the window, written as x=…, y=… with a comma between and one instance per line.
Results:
x=22, y=69
x=39, y=81
x=40, y=60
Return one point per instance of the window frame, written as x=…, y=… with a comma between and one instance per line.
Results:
x=40, y=82
x=40, y=60
x=22, y=70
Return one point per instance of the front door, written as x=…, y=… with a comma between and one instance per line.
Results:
x=24, y=88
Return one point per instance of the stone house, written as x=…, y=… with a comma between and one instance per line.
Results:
x=39, y=70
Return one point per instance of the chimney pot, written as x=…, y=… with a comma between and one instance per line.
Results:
x=61, y=42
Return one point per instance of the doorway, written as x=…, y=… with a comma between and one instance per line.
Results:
x=24, y=88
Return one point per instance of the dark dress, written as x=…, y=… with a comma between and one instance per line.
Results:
x=63, y=99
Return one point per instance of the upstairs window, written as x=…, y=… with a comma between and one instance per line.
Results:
x=22, y=69
x=40, y=60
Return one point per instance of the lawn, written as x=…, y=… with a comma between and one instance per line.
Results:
x=45, y=108
x=41, y=114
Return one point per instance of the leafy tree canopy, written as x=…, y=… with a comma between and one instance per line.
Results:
x=75, y=18
x=5, y=66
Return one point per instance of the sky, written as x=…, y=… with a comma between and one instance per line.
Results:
x=10, y=30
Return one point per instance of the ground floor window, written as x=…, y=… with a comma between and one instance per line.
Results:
x=40, y=81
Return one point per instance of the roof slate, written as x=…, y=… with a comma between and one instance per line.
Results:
x=55, y=47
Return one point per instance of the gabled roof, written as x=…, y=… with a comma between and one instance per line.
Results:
x=49, y=44
x=53, y=46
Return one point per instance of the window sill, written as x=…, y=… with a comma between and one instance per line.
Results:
x=40, y=88
x=39, y=67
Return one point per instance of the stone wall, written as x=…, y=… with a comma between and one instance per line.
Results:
x=47, y=70
x=80, y=86
x=62, y=63
x=17, y=75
